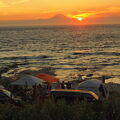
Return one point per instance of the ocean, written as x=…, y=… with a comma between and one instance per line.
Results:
x=69, y=50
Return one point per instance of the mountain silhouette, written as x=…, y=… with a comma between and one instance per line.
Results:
x=58, y=19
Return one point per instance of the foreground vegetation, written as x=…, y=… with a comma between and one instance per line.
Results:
x=48, y=110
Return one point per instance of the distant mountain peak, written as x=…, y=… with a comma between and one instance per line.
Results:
x=58, y=19
x=59, y=16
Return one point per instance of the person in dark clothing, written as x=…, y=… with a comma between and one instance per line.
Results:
x=69, y=85
x=103, y=79
x=63, y=85
x=101, y=89
x=34, y=92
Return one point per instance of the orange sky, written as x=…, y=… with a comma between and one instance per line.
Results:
x=91, y=10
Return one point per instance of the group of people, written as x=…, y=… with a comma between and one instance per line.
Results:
x=36, y=92
x=67, y=85
x=30, y=93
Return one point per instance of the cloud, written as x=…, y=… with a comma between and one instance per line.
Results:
x=6, y=3
x=110, y=15
x=97, y=13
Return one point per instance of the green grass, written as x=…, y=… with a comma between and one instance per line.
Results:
x=48, y=110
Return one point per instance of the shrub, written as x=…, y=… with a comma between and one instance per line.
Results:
x=48, y=110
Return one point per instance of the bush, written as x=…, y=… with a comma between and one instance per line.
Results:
x=105, y=110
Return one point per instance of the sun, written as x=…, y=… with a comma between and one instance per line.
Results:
x=80, y=18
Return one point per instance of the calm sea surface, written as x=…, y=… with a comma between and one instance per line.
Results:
x=69, y=50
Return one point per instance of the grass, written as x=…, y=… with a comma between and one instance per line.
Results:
x=48, y=110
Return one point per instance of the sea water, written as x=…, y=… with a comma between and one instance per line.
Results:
x=69, y=50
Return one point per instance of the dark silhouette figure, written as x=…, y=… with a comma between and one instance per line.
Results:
x=103, y=79
x=101, y=89
x=63, y=85
x=34, y=92
x=68, y=84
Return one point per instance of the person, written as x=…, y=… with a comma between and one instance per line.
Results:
x=101, y=89
x=48, y=86
x=68, y=84
x=41, y=94
x=40, y=90
x=103, y=79
x=63, y=85
x=34, y=92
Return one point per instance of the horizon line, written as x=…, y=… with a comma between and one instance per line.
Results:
x=90, y=24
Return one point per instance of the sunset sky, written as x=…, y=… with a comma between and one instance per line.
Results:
x=99, y=11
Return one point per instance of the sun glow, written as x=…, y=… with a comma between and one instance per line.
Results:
x=80, y=18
